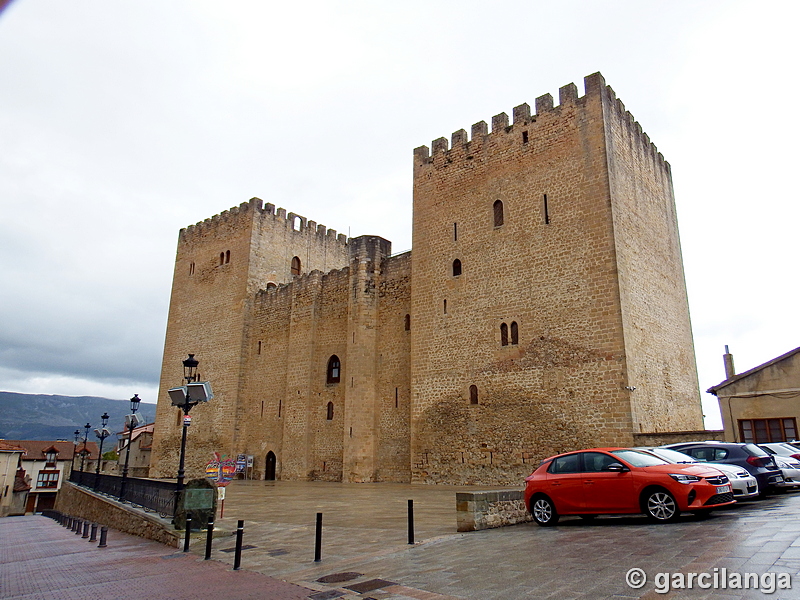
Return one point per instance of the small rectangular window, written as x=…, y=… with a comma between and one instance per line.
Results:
x=455, y=232
x=546, y=211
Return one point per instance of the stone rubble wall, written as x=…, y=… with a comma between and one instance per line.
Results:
x=487, y=510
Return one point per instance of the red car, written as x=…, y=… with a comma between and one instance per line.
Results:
x=602, y=481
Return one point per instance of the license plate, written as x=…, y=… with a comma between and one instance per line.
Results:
x=723, y=489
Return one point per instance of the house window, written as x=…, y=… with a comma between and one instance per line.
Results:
x=50, y=457
x=456, y=268
x=295, y=266
x=47, y=479
x=763, y=431
x=498, y=213
x=514, y=333
x=334, y=369
x=473, y=394
x=330, y=411
x=503, y=334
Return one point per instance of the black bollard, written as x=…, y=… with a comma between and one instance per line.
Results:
x=410, y=521
x=188, y=533
x=65, y=521
x=78, y=524
x=209, y=537
x=85, y=530
x=318, y=544
x=93, y=537
x=103, y=536
x=237, y=558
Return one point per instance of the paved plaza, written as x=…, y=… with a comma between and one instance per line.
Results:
x=365, y=552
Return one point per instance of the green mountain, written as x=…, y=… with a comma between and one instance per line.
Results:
x=46, y=417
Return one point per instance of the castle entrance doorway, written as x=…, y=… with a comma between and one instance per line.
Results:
x=269, y=472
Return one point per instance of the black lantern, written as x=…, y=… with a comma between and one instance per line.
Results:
x=131, y=421
x=101, y=434
x=87, y=427
x=190, y=369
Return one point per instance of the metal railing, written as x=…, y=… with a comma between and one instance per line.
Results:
x=149, y=494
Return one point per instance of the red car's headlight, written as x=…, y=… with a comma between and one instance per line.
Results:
x=682, y=478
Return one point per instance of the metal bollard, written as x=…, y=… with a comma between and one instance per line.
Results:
x=76, y=524
x=410, y=521
x=79, y=528
x=85, y=530
x=93, y=537
x=103, y=536
x=237, y=559
x=68, y=522
x=209, y=537
x=318, y=543
x=188, y=534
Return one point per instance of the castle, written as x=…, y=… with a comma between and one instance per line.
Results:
x=542, y=309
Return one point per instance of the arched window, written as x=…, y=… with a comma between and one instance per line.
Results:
x=222, y=258
x=473, y=394
x=408, y=322
x=227, y=256
x=514, y=333
x=295, y=266
x=504, y=335
x=456, y=268
x=498, y=213
x=334, y=369
x=330, y=411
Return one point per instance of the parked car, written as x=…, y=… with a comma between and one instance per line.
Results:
x=757, y=461
x=601, y=481
x=790, y=469
x=744, y=485
x=781, y=449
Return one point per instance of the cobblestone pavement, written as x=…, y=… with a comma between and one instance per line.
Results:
x=365, y=552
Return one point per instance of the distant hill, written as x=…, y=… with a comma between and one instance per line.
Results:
x=46, y=417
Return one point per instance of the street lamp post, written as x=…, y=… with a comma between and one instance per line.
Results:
x=185, y=397
x=131, y=419
x=102, y=434
x=75, y=450
x=87, y=427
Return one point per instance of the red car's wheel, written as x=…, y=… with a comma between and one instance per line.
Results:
x=544, y=512
x=660, y=506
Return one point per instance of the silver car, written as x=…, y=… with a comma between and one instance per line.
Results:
x=744, y=485
x=790, y=467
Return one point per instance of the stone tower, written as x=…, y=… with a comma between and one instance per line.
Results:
x=547, y=284
x=220, y=264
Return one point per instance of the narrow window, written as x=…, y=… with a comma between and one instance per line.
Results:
x=227, y=256
x=473, y=394
x=445, y=307
x=330, y=411
x=295, y=266
x=455, y=232
x=504, y=335
x=396, y=402
x=259, y=347
x=280, y=406
x=334, y=368
x=191, y=268
x=514, y=333
x=456, y=268
x=498, y=213
x=408, y=322
x=222, y=258
x=546, y=211
x=262, y=409
x=524, y=137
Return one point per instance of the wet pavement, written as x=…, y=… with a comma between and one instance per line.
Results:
x=365, y=550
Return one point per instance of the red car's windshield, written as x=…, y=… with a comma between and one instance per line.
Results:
x=638, y=458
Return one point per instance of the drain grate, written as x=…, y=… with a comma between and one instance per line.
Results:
x=339, y=577
x=328, y=595
x=245, y=547
x=368, y=586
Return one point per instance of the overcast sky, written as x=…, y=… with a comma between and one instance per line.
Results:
x=121, y=123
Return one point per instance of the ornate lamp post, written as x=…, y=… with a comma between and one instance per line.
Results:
x=87, y=427
x=75, y=449
x=185, y=397
x=101, y=434
x=131, y=420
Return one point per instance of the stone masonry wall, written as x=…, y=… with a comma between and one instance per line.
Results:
x=487, y=510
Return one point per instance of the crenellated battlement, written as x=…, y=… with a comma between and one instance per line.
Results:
x=255, y=207
x=465, y=147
